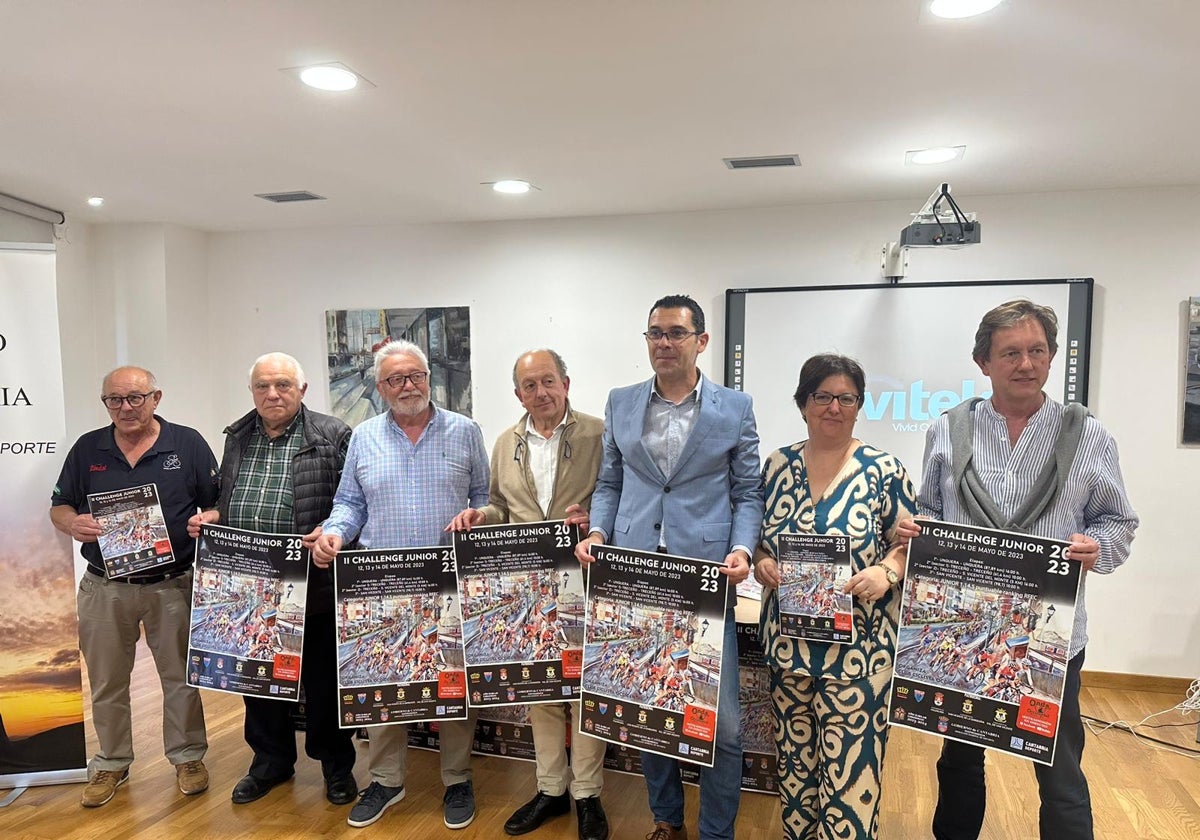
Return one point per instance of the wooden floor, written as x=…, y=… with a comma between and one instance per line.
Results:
x=1138, y=792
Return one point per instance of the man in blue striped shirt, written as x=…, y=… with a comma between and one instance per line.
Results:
x=408, y=472
x=1014, y=434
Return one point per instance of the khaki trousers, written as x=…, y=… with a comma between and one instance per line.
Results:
x=388, y=758
x=585, y=776
x=111, y=615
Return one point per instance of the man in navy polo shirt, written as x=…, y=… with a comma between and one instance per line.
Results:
x=136, y=449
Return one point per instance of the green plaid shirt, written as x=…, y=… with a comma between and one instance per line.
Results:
x=262, y=497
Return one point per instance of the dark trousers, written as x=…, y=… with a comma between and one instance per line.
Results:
x=1066, y=812
x=269, y=729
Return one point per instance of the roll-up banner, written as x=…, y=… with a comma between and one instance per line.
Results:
x=41, y=693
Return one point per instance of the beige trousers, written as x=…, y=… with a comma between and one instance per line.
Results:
x=585, y=776
x=389, y=751
x=111, y=617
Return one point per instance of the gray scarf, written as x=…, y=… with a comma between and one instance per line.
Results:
x=979, y=504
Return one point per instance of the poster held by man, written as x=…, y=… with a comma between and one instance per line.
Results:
x=652, y=658
x=981, y=656
x=522, y=595
x=247, y=624
x=399, y=637
x=134, y=535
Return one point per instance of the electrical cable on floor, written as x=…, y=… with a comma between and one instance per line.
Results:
x=1190, y=703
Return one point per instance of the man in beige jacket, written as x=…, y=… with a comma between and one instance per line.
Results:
x=544, y=468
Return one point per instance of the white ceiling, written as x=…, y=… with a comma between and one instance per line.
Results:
x=175, y=110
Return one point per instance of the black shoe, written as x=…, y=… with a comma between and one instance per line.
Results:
x=593, y=825
x=251, y=788
x=536, y=811
x=341, y=790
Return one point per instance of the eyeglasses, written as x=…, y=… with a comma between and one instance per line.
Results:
x=397, y=380
x=844, y=400
x=673, y=335
x=135, y=400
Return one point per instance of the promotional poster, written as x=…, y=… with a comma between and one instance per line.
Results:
x=759, y=774
x=985, y=625
x=399, y=628
x=652, y=662
x=814, y=569
x=247, y=626
x=521, y=590
x=505, y=732
x=757, y=713
x=134, y=533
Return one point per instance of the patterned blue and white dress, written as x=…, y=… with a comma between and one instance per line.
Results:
x=831, y=699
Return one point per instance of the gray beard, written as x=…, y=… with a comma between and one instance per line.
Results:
x=405, y=408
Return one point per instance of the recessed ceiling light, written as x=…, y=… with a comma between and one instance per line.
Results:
x=511, y=187
x=95, y=201
x=962, y=8
x=329, y=77
x=928, y=157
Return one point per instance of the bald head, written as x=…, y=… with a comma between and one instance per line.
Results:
x=131, y=396
x=542, y=385
x=141, y=377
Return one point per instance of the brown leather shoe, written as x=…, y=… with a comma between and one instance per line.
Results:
x=666, y=831
x=102, y=787
x=192, y=777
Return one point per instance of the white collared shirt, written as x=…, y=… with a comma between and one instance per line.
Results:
x=543, y=459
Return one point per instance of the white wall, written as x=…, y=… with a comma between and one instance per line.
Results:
x=583, y=287
x=137, y=295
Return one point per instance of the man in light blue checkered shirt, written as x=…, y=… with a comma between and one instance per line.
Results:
x=408, y=472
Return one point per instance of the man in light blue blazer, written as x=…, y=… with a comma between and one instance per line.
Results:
x=680, y=475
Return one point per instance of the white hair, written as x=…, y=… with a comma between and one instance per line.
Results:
x=395, y=348
x=301, y=381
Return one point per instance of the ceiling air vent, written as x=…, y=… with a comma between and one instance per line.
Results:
x=286, y=197
x=762, y=161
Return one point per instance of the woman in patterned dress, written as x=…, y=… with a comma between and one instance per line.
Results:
x=831, y=698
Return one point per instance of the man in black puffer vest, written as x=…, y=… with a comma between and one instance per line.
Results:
x=281, y=467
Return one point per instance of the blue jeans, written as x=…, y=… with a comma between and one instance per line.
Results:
x=1066, y=812
x=721, y=784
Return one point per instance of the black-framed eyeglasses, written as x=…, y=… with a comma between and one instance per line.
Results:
x=844, y=400
x=673, y=335
x=135, y=400
x=397, y=380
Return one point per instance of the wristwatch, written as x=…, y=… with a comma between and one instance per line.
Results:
x=892, y=577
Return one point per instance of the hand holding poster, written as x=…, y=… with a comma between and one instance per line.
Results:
x=399, y=636
x=985, y=625
x=652, y=661
x=247, y=626
x=521, y=591
x=814, y=570
x=133, y=534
